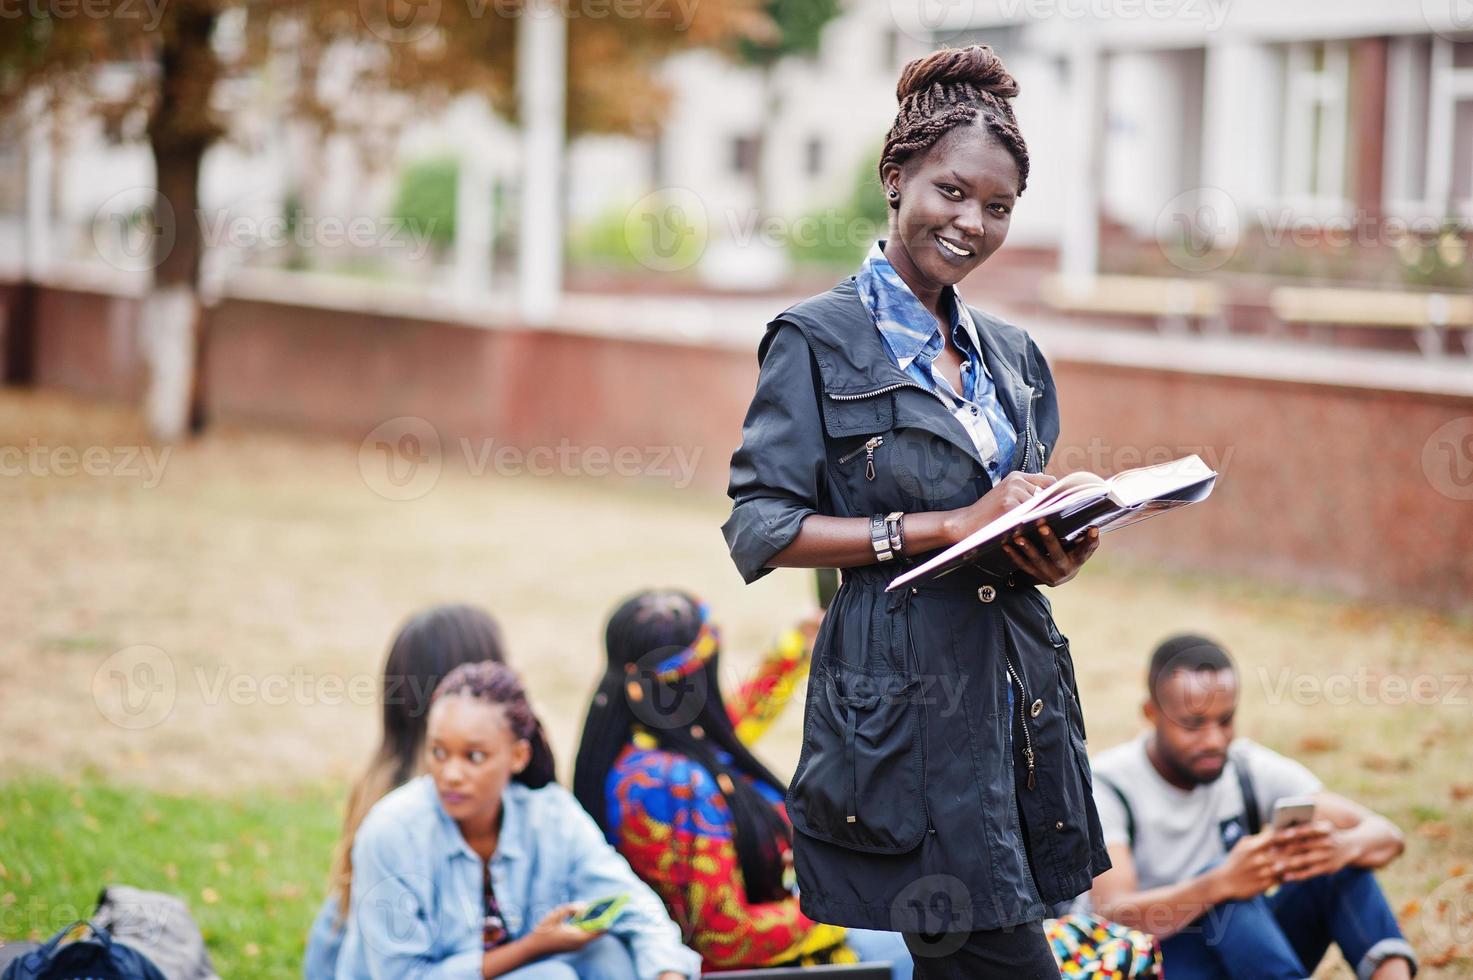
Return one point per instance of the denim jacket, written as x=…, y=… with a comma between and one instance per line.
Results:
x=417, y=906
x=913, y=810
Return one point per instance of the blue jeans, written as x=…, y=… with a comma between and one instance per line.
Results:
x=873, y=946
x=606, y=958
x=1284, y=935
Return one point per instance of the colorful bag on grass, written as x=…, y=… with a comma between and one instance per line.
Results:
x=1089, y=946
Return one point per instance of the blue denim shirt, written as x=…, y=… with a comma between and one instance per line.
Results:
x=417, y=905
x=913, y=339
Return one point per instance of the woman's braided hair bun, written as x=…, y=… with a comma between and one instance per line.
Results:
x=977, y=65
x=946, y=88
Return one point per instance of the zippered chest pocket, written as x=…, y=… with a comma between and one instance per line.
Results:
x=867, y=450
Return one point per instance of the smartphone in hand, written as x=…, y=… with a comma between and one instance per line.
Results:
x=600, y=914
x=1292, y=811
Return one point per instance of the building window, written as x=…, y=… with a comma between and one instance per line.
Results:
x=1429, y=138
x=1315, y=145
x=744, y=155
x=813, y=156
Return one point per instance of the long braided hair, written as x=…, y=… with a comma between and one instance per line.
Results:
x=951, y=87
x=665, y=620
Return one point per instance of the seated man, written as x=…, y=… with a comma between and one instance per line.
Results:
x=1182, y=807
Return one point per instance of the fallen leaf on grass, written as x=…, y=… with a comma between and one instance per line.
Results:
x=1443, y=958
x=208, y=895
x=1410, y=909
x=1460, y=791
x=1436, y=830
x=1318, y=743
x=251, y=949
x=1386, y=763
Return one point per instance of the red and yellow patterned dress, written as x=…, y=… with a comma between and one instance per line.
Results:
x=668, y=818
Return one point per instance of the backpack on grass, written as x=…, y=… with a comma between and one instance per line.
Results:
x=69, y=956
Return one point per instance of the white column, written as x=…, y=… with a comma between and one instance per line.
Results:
x=1142, y=164
x=1243, y=109
x=40, y=173
x=1079, y=250
x=541, y=91
x=474, y=214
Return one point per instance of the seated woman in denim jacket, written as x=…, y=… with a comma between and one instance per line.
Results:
x=464, y=873
x=429, y=645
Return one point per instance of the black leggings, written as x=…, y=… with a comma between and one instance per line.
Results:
x=1019, y=953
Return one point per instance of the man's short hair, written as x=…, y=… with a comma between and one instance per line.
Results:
x=1186, y=651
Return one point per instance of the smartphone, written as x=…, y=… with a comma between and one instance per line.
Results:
x=600, y=914
x=1292, y=811
x=827, y=581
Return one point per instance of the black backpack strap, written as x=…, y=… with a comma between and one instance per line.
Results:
x=1251, y=818
x=1124, y=804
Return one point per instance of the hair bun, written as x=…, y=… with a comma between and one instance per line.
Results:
x=977, y=64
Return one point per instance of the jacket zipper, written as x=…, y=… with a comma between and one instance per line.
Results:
x=1017, y=678
x=1028, y=429
x=880, y=391
x=869, y=455
x=1033, y=394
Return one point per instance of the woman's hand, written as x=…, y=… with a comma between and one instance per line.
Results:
x=1014, y=489
x=1050, y=562
x=555, y=934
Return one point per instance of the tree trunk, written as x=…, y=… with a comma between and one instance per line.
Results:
x=179, y=132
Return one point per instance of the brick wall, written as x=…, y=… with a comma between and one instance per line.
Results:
x=1330, y=485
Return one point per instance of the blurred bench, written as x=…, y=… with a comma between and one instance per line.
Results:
x=1172, y=303
x=848, y=971
x=1429, y=314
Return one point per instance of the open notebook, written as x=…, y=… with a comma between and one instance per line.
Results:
x=1073, y=505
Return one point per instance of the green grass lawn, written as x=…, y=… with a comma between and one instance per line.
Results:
x=251, y=868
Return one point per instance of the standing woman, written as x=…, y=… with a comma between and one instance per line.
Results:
x=943, y=789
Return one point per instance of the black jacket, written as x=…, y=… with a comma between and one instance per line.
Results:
x=911, y=813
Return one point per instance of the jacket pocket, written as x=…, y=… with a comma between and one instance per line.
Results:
x=861, y=759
